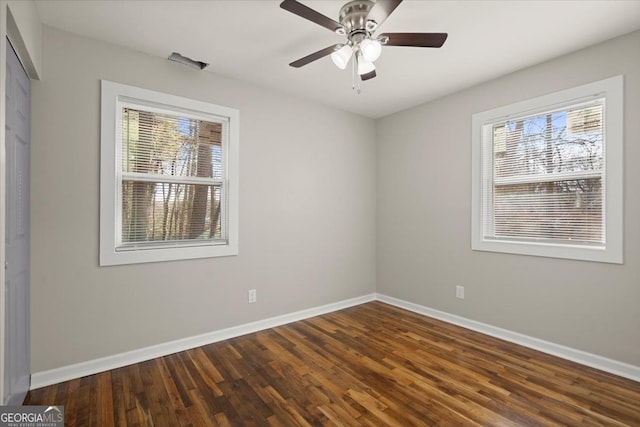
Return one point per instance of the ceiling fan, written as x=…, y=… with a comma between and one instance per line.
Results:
x=359, y=19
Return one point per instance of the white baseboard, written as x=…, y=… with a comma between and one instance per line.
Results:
x=90, y=367
x=622, y=369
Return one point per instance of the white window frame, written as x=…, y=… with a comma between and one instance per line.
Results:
x=612, y=250
x=115, y=97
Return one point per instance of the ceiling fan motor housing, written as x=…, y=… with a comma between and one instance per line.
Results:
x=353, y=17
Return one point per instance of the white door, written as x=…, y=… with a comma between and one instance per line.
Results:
x=17, y=140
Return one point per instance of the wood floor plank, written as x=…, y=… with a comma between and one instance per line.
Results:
x=106, y=399
x=369, y=365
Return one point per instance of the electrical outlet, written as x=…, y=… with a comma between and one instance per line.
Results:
x=252, y=296
x=460, y=292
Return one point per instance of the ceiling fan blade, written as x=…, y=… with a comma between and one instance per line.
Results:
x=381, y=10
x=306, y=12
x=315, y=55
x=368, y=76
x=415, y=39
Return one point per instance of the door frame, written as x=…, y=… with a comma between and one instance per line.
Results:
x=19, y=22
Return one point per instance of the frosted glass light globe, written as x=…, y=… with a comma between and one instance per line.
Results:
x=341, y=56
x=371, y=49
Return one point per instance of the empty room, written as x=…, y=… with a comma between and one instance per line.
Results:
x=320, y=213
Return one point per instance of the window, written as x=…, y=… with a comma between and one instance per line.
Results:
x=547, y=175
x=169, y=177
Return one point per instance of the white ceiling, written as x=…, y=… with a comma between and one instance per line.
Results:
x=254, y=41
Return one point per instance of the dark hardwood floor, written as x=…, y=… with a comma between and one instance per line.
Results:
x=370, y=365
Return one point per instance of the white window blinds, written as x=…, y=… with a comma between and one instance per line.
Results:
x=172, y=178
x=543, y=176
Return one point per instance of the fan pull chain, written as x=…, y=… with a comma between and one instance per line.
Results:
x=355, y=85
x=353, y=74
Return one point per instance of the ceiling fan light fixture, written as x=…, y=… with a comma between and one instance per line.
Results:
x=371, y=49
x=341, y=56
x=364, y=66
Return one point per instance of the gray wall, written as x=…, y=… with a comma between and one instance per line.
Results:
x=309, y=227
x=424, y=217
x=307, y=197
